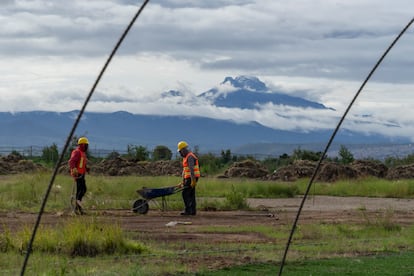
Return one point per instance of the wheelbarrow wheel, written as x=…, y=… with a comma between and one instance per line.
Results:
x=140, y=206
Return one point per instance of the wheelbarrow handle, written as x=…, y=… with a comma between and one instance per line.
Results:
x=180, y=185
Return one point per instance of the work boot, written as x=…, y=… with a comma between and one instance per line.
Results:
x=185, y=213
x=79, y=209
x=79, y=203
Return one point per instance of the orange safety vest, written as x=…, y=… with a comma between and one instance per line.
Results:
x=186, y=168
x=81, y=166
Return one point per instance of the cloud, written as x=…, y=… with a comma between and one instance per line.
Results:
x=52, y=52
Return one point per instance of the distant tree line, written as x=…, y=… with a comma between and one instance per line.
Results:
x=210, y=163
x=213, y=163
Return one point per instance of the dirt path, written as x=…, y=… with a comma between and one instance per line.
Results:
x=336, y=204
x=277, y=211
x=332, y=209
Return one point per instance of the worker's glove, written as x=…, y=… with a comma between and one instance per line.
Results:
x=74, y=172
x=180, y=185
x=193, y=182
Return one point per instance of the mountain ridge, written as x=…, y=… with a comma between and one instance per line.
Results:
x=250, y=93
x=119, y=129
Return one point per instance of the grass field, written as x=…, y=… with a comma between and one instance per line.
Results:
x=379, y=246
x=383, y=264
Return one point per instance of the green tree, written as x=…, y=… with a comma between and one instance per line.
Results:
x=16, y=153
x=345, y=156
x=161, y=153
x=113, y=155
x=50, y=154
x=272, y=163
x=299, y=154
x=226, y=156
x=396, y=161
x=209, y=164
x=137, y=153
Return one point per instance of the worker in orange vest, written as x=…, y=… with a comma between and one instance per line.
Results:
x=78, y=168
x=191, y=174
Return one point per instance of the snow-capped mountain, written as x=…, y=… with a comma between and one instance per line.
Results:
x=117, y=130
x=251, y=93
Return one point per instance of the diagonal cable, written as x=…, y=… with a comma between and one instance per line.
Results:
x=331, y=139
x=29, y=247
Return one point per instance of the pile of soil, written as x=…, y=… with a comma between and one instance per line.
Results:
x=246, y=168
x=399, y=172
x=13, y=164
x=330, y=171
x=370, y=168
x=299, y=169
x=118, y=166
x=121, y=166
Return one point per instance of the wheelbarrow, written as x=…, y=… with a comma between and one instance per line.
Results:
x=141, y=205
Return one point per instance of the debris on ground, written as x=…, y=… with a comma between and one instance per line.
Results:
x=175, y=223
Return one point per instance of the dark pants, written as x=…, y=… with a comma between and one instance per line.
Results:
x=189, y=197
x=80, y=187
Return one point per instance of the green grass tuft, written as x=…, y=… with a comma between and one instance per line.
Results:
x=236, y=200
x=77, y=237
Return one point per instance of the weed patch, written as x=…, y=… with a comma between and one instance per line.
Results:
x=383, y=220
x=78, y=237
x=236, y=200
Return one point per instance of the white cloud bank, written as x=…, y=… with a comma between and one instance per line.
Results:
x=52, y=51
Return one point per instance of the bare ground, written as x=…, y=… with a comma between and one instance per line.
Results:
x=273, y=211
x=268, y=212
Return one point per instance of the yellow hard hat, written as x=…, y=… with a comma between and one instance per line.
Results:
x=181, y=145
x=83, y=140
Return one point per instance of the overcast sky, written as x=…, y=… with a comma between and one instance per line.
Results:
x=52, y=51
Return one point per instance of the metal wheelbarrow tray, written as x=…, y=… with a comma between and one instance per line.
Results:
x=141, y=205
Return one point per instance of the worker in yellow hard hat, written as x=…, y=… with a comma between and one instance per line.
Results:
x=191, y=174
x=78, y=168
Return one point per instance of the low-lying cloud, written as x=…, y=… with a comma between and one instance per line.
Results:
x=52, y=52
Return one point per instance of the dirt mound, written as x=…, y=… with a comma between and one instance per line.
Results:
x=120, y=166
x=406, y=171
x=299, y=169
x=247, y=168
x=12, y=164
x=370, y=168
x=329, y=171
